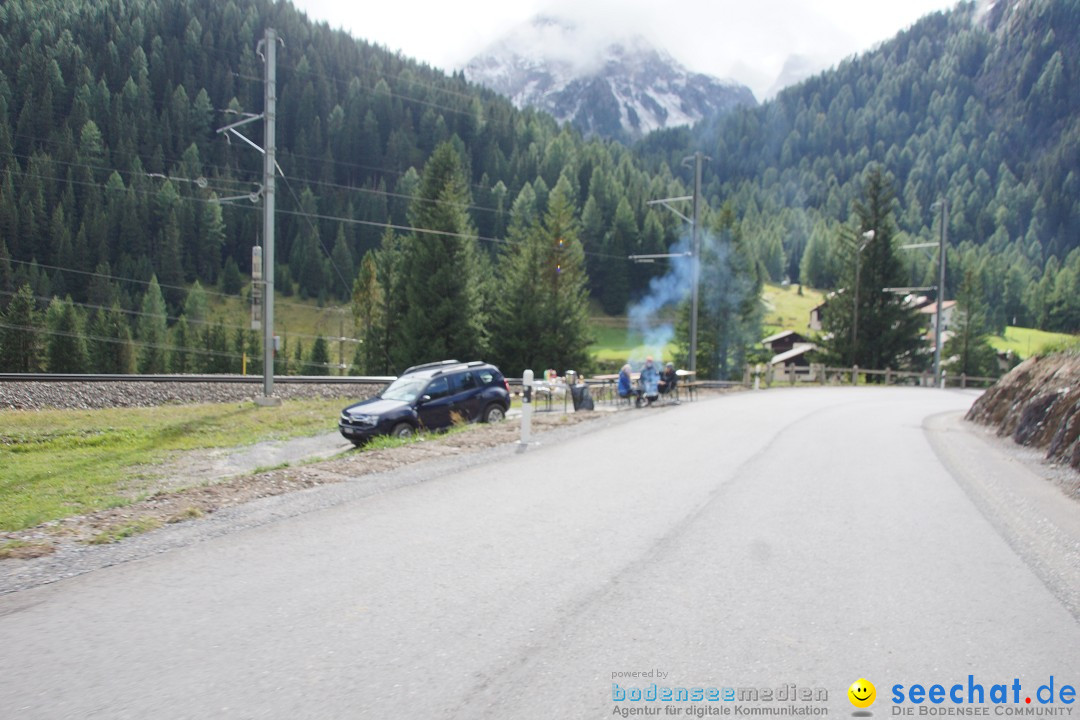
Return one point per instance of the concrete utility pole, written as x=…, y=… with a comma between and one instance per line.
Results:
x=269, y=168
x=695, y=267
x=695, y=249
x=941, y=290
x=267, y=49
x=867, y=237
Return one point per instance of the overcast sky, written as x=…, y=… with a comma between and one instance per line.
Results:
x=745, y=41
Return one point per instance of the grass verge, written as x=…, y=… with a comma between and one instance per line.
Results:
x=1026, y=342
x=23, y=550
x=59, y=463
x=126, y=530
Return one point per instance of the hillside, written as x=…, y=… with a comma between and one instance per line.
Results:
x=975, y=108
x=109, y=156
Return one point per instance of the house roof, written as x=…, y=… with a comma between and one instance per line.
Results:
x=800, y=349
x=931, y=309
x=830, y=296
x=780, y=336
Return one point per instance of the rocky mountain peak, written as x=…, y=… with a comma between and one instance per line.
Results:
x=617, y=87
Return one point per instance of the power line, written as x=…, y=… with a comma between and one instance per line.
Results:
x=192, y=321
x=316, y=232
x=333, y=218
x=134, y=280
x=391, y=93
x=131, y=173
x=385, y=171
x=223, y=178
x=387, y=193
x=119, y=341
x=134, y=154
x=382, y=75
x=441, y=233
x=157, y=346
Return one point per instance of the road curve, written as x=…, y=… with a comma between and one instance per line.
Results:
x=807, y=537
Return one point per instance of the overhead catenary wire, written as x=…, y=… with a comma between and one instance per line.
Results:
x=192, y=321
x=157, y=346
x=118, y=278
x=315, y=231
x=169, y=160
x=219, y=178
x=132, y=173
x=390, y=93
x=419, y=231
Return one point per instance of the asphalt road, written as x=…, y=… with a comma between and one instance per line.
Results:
x=807, y=537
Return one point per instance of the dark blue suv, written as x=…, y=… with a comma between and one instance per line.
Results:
x=429, y=396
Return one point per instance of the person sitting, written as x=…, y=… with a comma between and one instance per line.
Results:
x=668, y=379
x=625, y=387
x=648, y=381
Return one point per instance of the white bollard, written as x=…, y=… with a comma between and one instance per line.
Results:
x=526, y=409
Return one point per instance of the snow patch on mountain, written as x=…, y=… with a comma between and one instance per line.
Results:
x=607, y=86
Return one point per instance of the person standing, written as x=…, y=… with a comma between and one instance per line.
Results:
x=649, y=381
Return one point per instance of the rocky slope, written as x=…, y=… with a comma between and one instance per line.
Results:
x=1038, y=405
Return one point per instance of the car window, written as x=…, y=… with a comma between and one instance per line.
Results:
x=405, y=389
x=486, y=376
x=438, y=388
x=462, y=382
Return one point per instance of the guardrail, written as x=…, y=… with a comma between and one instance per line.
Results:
x=823, y=375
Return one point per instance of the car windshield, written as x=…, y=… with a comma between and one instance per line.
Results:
x=404, y=389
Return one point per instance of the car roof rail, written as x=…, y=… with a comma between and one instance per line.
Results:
x=428, y=366
x=477, y=363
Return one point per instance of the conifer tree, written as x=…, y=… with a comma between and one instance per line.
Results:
x=65, y=345
x=444, y=318
x=109, y=343
x=180, y=359
x=621, y=243
x=367, y=309
x=541, y=310
x=320, y=358
x=298, y=365
x=7, y=277
x=20, y=334
x=566, y=308
x=387, y=292
x=888, y=334
x=968, y=345
x=153, y=330
x=343, y=266
x=516, y=315
x=231, y=281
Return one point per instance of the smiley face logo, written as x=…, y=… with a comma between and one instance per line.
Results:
x=862, y=693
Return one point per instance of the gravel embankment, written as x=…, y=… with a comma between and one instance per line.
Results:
x=19, y=395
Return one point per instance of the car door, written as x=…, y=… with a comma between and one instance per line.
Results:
x=435, y=403
x=466, y=395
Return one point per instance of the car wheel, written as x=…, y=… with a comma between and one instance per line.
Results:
x=494, y=413
x=402, y=430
